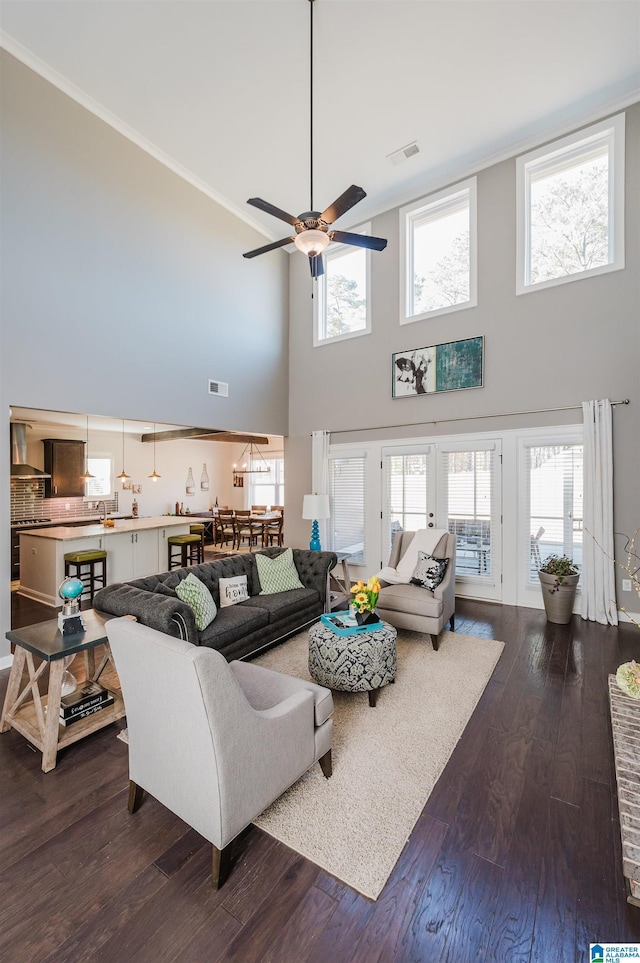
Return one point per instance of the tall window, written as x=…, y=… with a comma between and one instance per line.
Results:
x=439, y=254
x=342, y=304
x=555, y=503
x=346, y=493
x=571, y=207
x=468, y=483
x=268, y=488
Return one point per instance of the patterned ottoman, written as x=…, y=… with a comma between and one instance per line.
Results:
x=353, y=663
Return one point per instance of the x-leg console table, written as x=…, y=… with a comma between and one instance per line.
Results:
x=37, y=716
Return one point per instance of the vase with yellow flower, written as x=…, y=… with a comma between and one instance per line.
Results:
x=365, y=599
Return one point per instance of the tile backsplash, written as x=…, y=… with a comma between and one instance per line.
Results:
x=28, y=501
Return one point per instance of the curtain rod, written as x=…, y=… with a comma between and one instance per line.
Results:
x=441, y=421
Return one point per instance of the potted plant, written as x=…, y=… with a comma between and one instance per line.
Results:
x=365, y=598
x=558, y=576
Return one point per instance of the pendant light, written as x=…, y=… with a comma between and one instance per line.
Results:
x=252, y=466
x=87, y=474
x=123, y=475
x=154, y=476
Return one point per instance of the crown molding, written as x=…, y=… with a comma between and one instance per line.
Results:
x=62, y=83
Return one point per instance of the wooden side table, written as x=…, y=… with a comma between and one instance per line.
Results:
x=43, y=645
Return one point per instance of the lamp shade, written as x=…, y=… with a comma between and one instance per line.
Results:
x=315, y=506
x=311, y=242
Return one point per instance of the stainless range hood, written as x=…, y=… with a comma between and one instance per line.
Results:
x=19, y=468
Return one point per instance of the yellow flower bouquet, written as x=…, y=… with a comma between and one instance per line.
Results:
x=365, y=599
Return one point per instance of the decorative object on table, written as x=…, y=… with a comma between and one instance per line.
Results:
x=88, y=696
x=315, y=507
x=439, y=367
x=134, y=508
x=123, y=477
x=70, y=619
x=154, y=476
x=311, y=228
x=190, y=485
x=559, y=577
x=365, y=599
x=90, y=711
x=204, y=479
x=343, y=623
x=628, y=678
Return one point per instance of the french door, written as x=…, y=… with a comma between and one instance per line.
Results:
x=452, y=486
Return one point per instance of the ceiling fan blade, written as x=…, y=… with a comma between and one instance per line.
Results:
x=317, y=265
x=270, y=209
x=269, y=247
x=343, y=204
x=359, y=240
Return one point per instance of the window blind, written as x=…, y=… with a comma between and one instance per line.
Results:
x=347, y=505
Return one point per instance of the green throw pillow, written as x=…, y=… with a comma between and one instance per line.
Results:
x=198, y=597
x=277, y=574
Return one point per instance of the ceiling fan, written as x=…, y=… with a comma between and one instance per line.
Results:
x=312, y=227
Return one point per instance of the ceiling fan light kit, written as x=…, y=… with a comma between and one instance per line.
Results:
x=312, y=235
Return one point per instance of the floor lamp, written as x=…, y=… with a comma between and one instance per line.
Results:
x=315, y=507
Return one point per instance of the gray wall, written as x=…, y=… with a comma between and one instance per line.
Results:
x=123, y=287
x=554, y=347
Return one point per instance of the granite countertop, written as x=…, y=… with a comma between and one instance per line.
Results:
x=64, y=533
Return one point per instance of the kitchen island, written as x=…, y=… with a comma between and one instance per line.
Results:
x=136, y=547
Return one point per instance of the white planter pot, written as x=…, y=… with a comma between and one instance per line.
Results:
x=558, y=597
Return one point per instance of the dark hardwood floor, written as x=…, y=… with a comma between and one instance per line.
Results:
x=516, y=856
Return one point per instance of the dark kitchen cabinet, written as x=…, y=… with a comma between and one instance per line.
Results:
x=64, y=461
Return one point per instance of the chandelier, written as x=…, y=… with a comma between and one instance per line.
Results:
x=251, y=464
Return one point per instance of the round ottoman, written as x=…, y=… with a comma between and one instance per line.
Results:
x=353, y=663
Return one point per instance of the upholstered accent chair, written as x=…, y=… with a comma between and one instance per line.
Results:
x=214, y=742
x=414, y=607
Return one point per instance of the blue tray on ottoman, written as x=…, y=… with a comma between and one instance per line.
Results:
x=349, y=625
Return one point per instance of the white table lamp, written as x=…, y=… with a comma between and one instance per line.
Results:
x=315, y=507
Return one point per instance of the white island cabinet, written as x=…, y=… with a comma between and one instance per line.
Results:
x=135, y=548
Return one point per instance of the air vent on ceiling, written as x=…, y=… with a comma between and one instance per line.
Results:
x=404, y=153
x=220, y=388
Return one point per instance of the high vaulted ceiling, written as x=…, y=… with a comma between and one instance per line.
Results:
x=219, y=89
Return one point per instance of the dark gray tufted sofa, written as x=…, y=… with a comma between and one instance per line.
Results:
x=237, y=630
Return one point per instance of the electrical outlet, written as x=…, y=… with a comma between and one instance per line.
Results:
x=34, y=551
x=67, y=506
x=626, y=584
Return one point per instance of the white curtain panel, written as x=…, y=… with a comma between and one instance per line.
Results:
x=598, y=567
x=320, y=476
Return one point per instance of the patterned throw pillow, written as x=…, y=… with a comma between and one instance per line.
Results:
x=429, y=571
x=233, y=590
x=198, y=597
x=277, y=574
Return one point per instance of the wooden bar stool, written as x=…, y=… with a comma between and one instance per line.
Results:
x=190, y=550
x=199, y=529
x=91, y=579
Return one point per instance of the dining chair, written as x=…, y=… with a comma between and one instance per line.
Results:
x=272, y=534
x=256, y=509
x=225, y=527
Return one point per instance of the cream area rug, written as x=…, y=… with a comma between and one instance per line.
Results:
x=386, y=760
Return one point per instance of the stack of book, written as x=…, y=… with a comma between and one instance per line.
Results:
x=90, y=697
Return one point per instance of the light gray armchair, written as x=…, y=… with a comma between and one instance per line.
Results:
x=214, y=742
x=414, y=607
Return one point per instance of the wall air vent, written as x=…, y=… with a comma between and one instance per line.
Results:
x=220, y=388
x=404, y=153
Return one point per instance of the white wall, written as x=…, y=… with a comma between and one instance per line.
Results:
x=124, y=289
x=551, y=348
